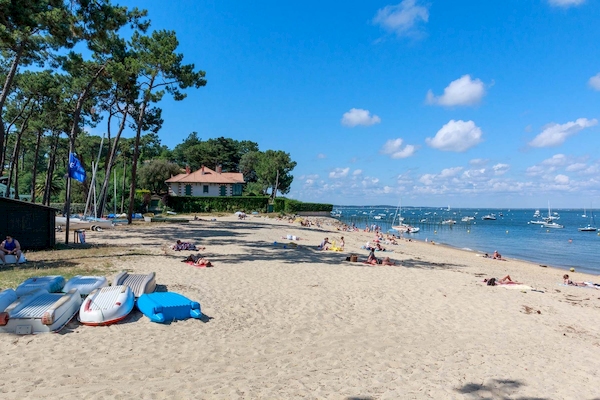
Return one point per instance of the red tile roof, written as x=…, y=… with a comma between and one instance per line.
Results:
x=209, y=176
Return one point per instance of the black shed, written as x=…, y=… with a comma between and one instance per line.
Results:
x=31, y=224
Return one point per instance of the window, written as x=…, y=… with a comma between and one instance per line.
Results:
x=223, y=190
x=205, y=189
x=188, y=190
x=237, y=189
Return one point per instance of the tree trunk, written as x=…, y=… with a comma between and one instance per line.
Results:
x=123, y=188
x=74, y=130
x=110, y=162
x=50, y=171
x=15, y=155
x=35, y=161
x=16, y=185
x=5, y=90
x=136, y=149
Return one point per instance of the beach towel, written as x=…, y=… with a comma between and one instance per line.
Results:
x=515, y=286
x=194, y=265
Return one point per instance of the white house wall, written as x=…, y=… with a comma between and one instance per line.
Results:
x=178, y=189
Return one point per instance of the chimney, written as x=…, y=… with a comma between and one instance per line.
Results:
x=219, y=169
x=187, y=169
x=202, y=173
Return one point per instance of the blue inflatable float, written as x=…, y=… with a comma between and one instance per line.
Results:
x=165, y=307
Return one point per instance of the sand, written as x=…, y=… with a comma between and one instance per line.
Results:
x=302, y=323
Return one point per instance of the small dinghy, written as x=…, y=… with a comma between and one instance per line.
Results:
x=107, y=305
x=166, y=307
x=10, y=259
x=85, y=284
x=40, y=312
x=139, y=283
x=7, y=297
x=51, y=284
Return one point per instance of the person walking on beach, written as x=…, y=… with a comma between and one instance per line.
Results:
x=10, y=246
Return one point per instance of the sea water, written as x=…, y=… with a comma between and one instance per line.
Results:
x=510, y=234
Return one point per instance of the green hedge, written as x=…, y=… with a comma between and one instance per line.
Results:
x=188, y=204
x=293, y=206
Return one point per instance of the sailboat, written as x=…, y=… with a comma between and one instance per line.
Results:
x=589, y=227
x=403, y=227
x=584, y=215
x=549, y=221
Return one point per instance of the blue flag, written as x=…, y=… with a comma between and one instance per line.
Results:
x=76, y=170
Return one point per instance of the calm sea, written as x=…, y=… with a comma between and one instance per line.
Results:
x=510, y=233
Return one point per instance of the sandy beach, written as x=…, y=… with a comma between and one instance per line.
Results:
x=296, y=322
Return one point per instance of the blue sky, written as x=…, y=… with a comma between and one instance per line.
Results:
x=469, y=103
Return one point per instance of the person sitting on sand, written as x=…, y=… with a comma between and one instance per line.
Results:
x=497, y=255
x=324, y=243
x=503, y=281
x=10, y=246
x=375, y=261
x=379, y=247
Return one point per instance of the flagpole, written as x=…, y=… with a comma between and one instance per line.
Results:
x=68, y=199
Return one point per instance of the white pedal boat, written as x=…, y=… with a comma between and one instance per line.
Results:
x=7, y=297
x=107, y=305
x=51, y=284
x=85, y=284
x=10, y=259
x=40, y=312
x=139, y=283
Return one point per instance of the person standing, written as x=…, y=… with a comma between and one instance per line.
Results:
x=10, y=246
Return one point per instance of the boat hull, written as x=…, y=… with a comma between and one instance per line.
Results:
x=51, y=284
x=40, y=312
x=107, y=305
x=85, y=284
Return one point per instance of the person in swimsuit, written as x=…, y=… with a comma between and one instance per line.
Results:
x=10, y=246
x=503, y=281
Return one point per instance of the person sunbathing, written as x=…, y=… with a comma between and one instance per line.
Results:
x=503, y=281
x=569, y=282
x=379, y=247
x=183, y=246
x=203, y=262
x=378, y=261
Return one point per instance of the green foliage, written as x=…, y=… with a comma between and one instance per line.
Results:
x=154, y=173
x=213, y=152
x=290, y=206
x=217, y=204
x=273, y=170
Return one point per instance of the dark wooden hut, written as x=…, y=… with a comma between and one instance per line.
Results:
x=31, y=224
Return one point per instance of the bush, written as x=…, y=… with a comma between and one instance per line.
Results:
x=189, y=204
x=290, y=206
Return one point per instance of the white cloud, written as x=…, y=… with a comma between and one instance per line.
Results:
x=594, y=81
x=450, y=172
x=358, y=116
x=555, y=160
x=576, y=167
x=357, y=172
x=321, y=156
x=339, y=173
x=561, y=179
x=565, y=3
x=462, y=92
x=500, y=169
x=478, y=161
x=402, y=18
x=393, y=147
x=555, y=134
x=456, y=136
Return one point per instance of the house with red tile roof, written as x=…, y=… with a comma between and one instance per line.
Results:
x=206, y=183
